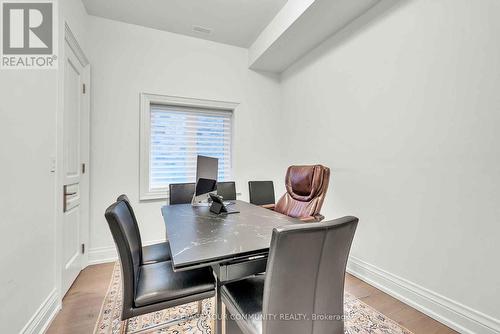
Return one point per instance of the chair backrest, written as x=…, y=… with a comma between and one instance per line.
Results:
x=261, y=192
x=308, y=282
x=306, y=188
x=127, y=240
x=181, y=193
x=227, y=190
x=125, y=199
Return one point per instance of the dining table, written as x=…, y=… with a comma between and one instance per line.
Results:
x=235, y=245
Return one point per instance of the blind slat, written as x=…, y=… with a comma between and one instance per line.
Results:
x=178, y=135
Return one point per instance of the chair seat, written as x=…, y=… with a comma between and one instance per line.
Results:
x=159, y=283
x=245, y=298
x=156, y=253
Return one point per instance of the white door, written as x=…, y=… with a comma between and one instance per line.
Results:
x=75, y=175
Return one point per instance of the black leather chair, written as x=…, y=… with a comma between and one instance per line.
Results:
x=227, y=190
x=262, y=193
x=152, y=287
x=305, y=275
x=181, y=193
x=153, y=253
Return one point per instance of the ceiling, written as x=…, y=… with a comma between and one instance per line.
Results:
x=235, y=22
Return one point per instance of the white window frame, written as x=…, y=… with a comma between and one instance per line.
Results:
x=145, y=192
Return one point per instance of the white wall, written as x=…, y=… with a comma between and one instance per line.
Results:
x=127, y=60
x=28, y=126
x=406, y=114
x=27, y=200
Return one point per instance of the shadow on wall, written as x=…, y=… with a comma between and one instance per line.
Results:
x=352, y=29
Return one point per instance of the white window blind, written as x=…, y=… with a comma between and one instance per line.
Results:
x=178, y=135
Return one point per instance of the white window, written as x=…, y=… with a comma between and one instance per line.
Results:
x=173, y=132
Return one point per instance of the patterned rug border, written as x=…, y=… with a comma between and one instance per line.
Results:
x=117, y=264
x=381, y=314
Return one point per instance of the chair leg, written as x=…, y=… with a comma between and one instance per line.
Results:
x=199, y=307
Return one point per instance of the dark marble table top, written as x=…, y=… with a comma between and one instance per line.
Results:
x=200, y=238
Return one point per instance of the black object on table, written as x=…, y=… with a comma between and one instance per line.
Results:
x=218, y=206
x=235, y=246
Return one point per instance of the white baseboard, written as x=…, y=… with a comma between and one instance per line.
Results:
x=107, y=254
x=449, y=312
x=42, y=318
x=102, y=255
x=47, y=311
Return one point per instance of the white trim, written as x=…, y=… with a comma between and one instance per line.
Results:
x=67, y=37
x=445, y=310
x=70, y=38
x=187, y=102
x=108, y=254
x=41, y=320
x=145, y=108
x=85, y=194
x=100, y=255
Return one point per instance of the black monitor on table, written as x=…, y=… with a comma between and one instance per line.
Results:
x=207, y=169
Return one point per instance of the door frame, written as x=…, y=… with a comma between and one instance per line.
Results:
x=70, y=40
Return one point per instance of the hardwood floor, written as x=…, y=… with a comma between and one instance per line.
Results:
x=407, y=316
x=82, y=304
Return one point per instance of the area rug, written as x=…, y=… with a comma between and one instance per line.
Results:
x=359, y=317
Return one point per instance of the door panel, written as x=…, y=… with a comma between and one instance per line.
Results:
x=71, y=239
x=73, y=137
x=72, y=106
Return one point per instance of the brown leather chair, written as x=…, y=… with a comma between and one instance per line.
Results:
x=306, y=188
